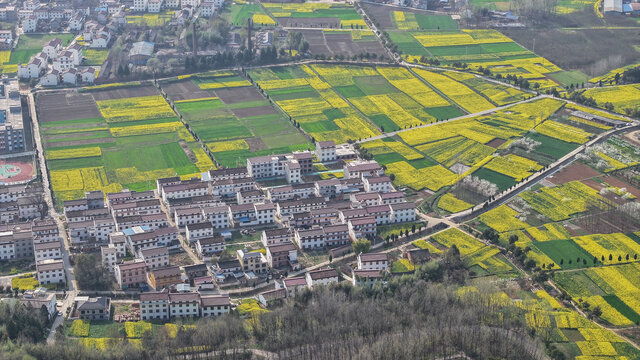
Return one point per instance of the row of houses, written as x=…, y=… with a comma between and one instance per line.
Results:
x=64, y=67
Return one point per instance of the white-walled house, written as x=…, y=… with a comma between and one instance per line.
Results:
x=373, y=261
x=51, y=78
x=30, y=24
x=88, y=75
x=321, y=277
x=70, y=76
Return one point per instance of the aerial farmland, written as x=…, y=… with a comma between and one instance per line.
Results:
x=320, y=180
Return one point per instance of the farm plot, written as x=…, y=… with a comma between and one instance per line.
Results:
x=460, y=148
x=561, y=202
x=320, y=97
x=237, y=124
x=615, y=288
x=316, y=15
x=614, y=154
x=408, y=19
x=332, y=42
x=488, y=49
x=129, y=143
x=237, y=14
x=477, y=256
x=622, y=97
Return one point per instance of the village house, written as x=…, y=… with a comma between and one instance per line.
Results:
x=155, y=258
x=165, y=277
x=373, y=261
x=131, y=273
x=310, y=239
x=38, y=299
x=50, y=271
x=275, y=236
x=210, y=245
x=215, y=305
x=184, y=305
x=282, y=255
x=154, y=305
x=93, y=308
x=321, y=277
x=252, y=261
x=326, y=151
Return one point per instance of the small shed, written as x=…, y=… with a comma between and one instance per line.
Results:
x=141, y=52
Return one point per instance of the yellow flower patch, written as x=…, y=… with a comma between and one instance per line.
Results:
x=84, y=179
x=196, y=100
x=609, y=313
x=458, y=92
x=263, y=19
x=452, y=204
x=224, y=84
x=132, y=109
x=358, y=23
x=136, y=130
x=548, y=298
x=432, y=178
x=228, y=145
x=513, y=166
x=502, y=218
x=622, y=97
x=73, y=153
x=563, y=132
x=465, y=243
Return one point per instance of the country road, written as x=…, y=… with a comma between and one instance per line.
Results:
x=71, y=280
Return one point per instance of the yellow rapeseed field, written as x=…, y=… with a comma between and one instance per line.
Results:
x=228, y=145
x=458, y=92
x=73, y=153
x=132, y=109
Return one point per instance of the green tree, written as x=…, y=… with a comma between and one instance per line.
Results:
x=361, y=246
x=90, y=274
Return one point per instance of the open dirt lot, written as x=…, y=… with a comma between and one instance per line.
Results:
x=317, y=22
x=328, y=43
x=186, y=90
x=575, y=171
x=254, y=111
x=241, y=94
x=147, y=90
x=66, y=106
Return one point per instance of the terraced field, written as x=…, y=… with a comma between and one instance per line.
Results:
x=232, y=118
x=111, y=139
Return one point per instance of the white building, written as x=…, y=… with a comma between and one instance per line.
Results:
x=70, y=76
x=215, y=305
x=140, y=5
x=154, y=305
x=373, y=261
x=50, y=271
x=51, y=78
x=184, y=305
x=47, y=250
x=377, y=184
x=88, y=75
x=30, y=24
x=321, y=277
x=154, y=6
x=309, y=239
x=52, y=47
x=109, y=257
x=326, y=151
x=403, y=212
x=155, y=258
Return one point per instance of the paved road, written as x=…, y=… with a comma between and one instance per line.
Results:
x=71, y=280
x=485, y=112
